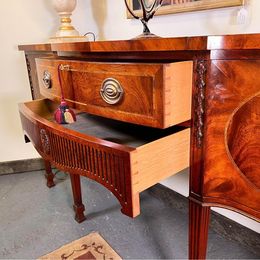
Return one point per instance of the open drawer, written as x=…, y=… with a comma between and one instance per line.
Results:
x=125, y=158
x=154, y=94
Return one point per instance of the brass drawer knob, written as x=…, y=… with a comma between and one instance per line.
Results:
x=111, y=91
x=47, y=79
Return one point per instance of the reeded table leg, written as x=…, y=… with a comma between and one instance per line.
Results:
x=76, y=190
x=198, y=230
x=49, y=174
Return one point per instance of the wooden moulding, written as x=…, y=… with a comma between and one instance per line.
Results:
x=124, y=47
x=157, y=95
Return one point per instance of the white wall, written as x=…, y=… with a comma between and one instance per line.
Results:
x=20, y=21
x=30, y=21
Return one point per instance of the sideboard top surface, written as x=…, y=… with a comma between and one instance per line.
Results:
x=198, y=43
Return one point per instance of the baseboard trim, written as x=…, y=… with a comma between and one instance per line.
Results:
x=19, y=166
x=220, y=224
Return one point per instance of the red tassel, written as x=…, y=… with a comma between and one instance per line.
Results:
x=64, y=115
x=58, y=116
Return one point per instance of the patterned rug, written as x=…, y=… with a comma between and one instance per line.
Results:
x=92, y=246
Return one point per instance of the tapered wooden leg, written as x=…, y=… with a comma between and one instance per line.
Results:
x=198, y=230
x=76, y=190
x=49, y=174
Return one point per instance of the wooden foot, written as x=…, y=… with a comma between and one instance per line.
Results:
x=198, y=230
x=132, y=209
x=76, y=190
x=49, y=174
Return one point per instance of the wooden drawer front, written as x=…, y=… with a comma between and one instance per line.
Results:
x=157, y=95
x=119, y=156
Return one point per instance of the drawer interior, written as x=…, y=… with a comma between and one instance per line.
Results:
x=103, y=128
x=118, y=132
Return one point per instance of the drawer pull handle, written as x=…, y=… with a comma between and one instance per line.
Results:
x=111, y=91
x=65, y=67
x=47, y=79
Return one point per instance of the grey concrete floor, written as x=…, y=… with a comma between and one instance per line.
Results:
x=36, y=220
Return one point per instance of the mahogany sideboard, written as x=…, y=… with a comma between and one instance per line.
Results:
x=148, y=108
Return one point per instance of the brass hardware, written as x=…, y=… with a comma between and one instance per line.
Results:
x=64, y=67
x=47, y=79
x=111, y=91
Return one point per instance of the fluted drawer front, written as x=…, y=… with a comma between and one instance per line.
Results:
x=157, y=95
x=120, y=156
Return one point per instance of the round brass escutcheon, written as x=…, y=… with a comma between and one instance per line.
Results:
x=47, y=79
x=111, y=91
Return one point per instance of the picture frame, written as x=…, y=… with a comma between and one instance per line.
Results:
x=180, y=6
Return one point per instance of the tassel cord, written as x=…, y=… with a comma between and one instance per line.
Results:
x=60, y=68
x=63, y=114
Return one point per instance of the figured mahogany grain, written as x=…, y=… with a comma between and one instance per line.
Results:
x=234, y=42
x=243, y=139
x=231, y=84
x=161, y=44
x=199, y=43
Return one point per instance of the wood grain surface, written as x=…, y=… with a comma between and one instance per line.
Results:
x=232, y=84
x=157, y=95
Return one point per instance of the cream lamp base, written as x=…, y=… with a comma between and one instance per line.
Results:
x=66, y=32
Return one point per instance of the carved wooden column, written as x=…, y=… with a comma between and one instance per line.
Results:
x=198, y=214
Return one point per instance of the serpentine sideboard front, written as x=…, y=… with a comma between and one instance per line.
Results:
x=148, y=108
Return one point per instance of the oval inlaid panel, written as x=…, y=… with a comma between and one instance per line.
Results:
x=243, y=139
